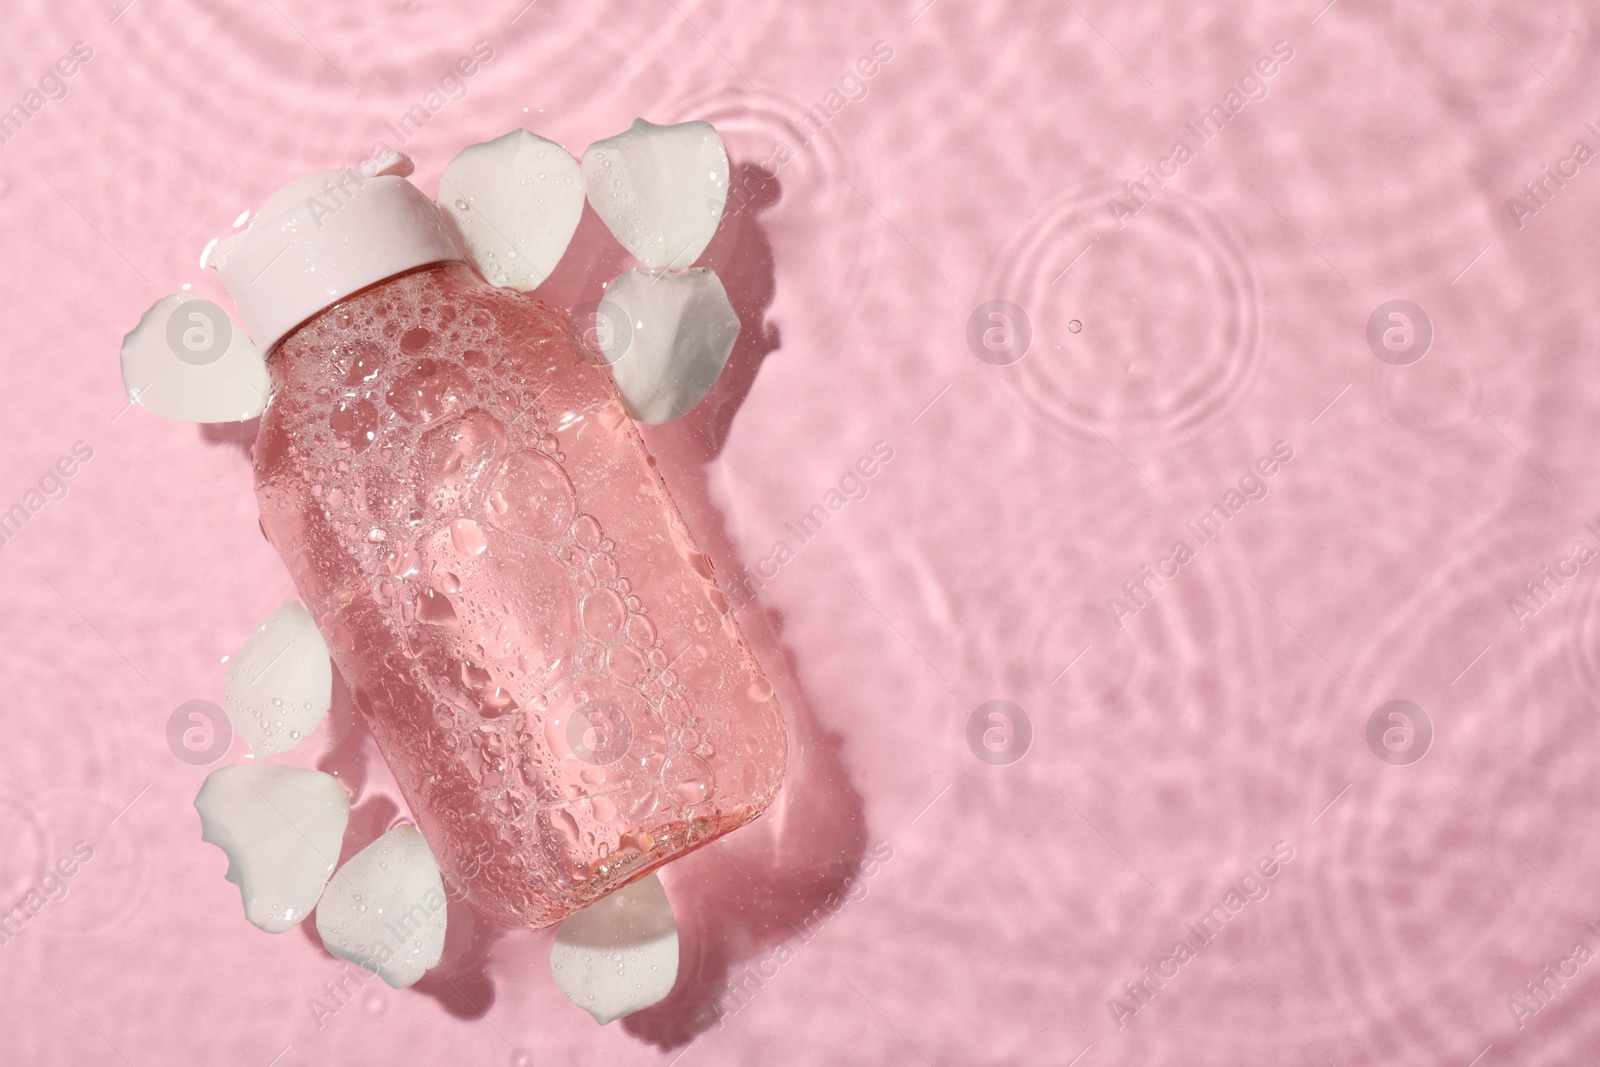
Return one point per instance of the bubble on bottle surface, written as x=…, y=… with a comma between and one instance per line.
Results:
x=533, y=497
x=603, y=614
x=688, y=779
x=429, y=390
x=641, y=631
x=628, y=664
x=415, y=341
x=454, y=459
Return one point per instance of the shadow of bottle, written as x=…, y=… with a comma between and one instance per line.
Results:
x=768, y=884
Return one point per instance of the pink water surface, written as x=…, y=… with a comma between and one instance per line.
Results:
x=906, y=901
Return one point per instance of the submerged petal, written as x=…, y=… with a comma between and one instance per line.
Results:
x=385, y=908
x=671, y=338
x=620, y=954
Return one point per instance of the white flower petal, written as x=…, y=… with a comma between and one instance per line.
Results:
x=660, y=189
x=280, y=828
x=620, y=954
x=188, y=360
x=667, y=338
x=385, y=908
x=516, y=201
x=281, y=683
x=391, y=162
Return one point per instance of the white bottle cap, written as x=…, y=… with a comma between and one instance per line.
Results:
x=323, y=237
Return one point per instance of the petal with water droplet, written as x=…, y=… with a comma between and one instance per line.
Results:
x=280, y=828
x=620, y=954
x=280, y=685
x=515, y=202
x=660, y=189
x=385, y=908
x=188, y=360
x=667, y=339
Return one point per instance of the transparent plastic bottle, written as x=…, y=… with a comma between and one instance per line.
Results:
x=522, y=617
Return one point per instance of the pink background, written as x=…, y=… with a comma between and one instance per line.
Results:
x=1168, y=754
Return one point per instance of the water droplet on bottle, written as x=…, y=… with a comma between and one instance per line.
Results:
x=354, y=423
x=405, y=563
x=433, y=606
x=468, y=538
x=568, y=826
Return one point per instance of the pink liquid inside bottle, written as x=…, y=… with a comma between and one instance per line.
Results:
x=539, y=649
